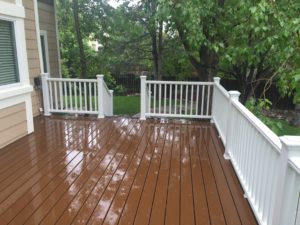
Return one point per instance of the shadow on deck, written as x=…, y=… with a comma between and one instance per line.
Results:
x=120, y=171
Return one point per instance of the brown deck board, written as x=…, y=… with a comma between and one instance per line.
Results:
x=173, y=200
x=120, y=171
x=200, y=201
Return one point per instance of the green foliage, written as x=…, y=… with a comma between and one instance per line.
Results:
x=290, y=85
x=256, y=106
x=112, y=85
x=252, y=41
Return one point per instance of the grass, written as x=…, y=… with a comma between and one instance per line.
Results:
x=284, y=128
x=126, y=105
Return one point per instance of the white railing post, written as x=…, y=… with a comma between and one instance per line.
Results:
x=111, y=102
x=100, y=84
x=233, y=96
x=213, y=107
x=143, y=97
x=45, y=90
x=290, y=147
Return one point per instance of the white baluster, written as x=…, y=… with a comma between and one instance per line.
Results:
x=192, y=102
x=175, y=105
x=197, y=100
x=71, y=96
x=159, y=99
x=186, y=99
x=202, y=100
x=66, y=96
x=75, y=93
x=61, y=96
x=180, y=99
x=80, y=96
x=165, y=98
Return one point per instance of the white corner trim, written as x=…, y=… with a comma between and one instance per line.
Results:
x=37, y=28
x=29, y=114
x=14, y=10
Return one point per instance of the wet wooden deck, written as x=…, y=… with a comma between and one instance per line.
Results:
x=119, y=171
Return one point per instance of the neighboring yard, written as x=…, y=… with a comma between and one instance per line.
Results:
x=284, y=128
x=126, y=105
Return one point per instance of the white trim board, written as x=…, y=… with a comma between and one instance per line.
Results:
x=14, y=10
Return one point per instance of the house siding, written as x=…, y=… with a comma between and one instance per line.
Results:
x=47, y=23
x=32, y=53
x=13, y=124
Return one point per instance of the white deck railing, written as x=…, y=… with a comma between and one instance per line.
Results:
x=176, y=99
x=78, y=96
x=267, y=166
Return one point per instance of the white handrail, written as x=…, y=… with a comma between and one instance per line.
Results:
x=72, y=79
x=267, y=166
x=179, y=82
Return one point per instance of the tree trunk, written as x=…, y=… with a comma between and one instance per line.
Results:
x=159, y=51
x=154, y=55
x=79, y=39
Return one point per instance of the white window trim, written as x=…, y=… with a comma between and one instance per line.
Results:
x=13, y=94
x=21, y=51
x=14, y=10
x=44, y=34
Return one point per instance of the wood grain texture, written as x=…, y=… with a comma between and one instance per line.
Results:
x=119, y=171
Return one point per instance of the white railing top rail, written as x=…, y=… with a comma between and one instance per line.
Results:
x=72, y=79
x=269, y=135
x=178, y=82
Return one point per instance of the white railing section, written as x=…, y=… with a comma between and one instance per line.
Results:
x=261, y=159
x=176, y=99
x=78, y=96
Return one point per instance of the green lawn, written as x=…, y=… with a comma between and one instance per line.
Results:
x=285, y=128
x=126, y=105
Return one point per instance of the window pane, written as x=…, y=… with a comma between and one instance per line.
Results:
x=8, y=55
x=44, y=54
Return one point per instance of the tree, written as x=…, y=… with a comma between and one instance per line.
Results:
x=145, y=14
x=79, y=38
x=249, y=41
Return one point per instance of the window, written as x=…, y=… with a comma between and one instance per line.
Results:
x=9, y=72
x=44, y=48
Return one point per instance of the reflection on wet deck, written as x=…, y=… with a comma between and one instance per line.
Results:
x=119, y=171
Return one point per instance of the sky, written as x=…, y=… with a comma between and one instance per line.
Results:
x=116, y=3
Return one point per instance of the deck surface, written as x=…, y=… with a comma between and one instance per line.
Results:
x=119, y=171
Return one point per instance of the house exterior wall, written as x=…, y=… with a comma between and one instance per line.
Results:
x=47, y=23
x=16, y=119
x=32, y=53
x=13, y=123
x=20, y=102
